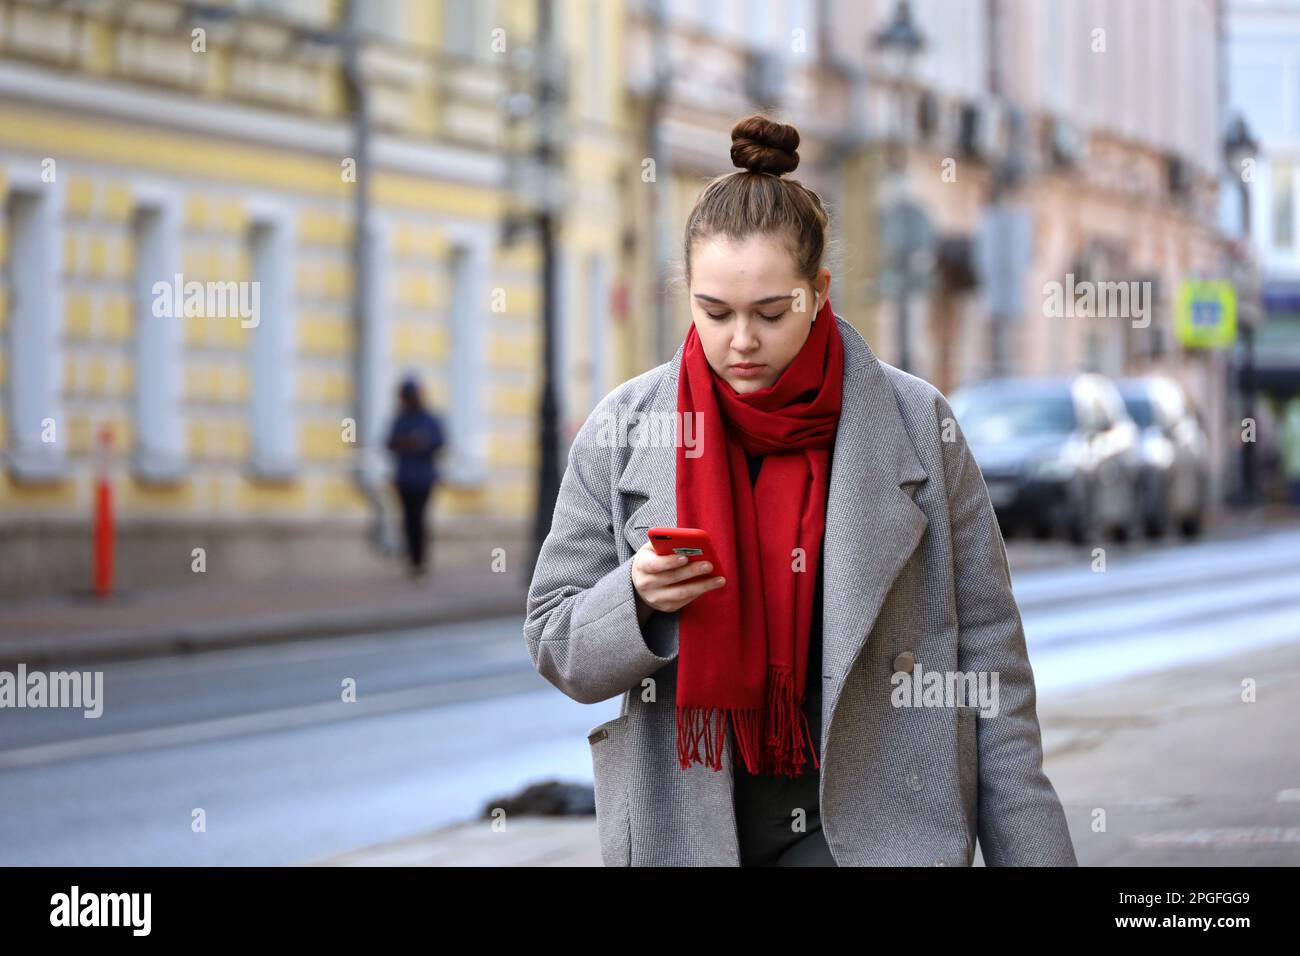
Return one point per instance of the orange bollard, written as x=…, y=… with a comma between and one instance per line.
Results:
x=104, y=518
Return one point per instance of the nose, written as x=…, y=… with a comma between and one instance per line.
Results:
x=743, y=339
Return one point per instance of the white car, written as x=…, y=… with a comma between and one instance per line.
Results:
x=1175, y=477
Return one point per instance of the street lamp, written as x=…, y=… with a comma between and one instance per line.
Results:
x=900, y=40
x=899, y=43
x=1239, y=146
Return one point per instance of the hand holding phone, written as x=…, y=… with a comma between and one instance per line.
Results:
x=691, y=542
x=674, y=567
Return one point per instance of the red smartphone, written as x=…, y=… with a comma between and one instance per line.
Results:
x=692, y=542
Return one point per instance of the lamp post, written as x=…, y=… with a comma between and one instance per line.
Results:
x=534, y=109
x=899, y=42
x=552, y=85
x=1238, y=146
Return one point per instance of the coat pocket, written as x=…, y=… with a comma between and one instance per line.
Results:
x=968, y=774
x=608, y=743
x=643, y=514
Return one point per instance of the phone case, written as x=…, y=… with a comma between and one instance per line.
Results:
x=692, y=542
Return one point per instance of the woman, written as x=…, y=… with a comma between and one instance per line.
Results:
x=415, y=438
x=767, y=714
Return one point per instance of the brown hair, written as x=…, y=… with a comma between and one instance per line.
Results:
x=758, y=200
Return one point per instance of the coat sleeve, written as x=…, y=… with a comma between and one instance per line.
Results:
x=581, y=625
x=1021, y=821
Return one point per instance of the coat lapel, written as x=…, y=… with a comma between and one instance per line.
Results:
x=873, y=525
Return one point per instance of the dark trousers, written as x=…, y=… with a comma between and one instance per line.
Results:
x=764, y=820
x=414, y=500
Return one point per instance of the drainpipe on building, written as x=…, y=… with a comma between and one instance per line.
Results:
x=368, y=464
x=656, y=147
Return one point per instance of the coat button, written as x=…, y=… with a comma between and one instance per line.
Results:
x=903, y=662
x=914, y=781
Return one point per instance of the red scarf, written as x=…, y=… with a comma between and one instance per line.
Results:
x=743, y=648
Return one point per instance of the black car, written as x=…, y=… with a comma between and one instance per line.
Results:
x=1060, y=455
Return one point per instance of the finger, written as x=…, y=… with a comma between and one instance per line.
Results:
x=685, y=593
x=687, y=572
x=656, y=563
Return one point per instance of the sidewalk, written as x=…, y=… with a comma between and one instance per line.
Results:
x=1187, y=774
x=204, y=616
x=222, y=615
x=526, y=841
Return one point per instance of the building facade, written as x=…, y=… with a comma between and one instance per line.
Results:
x=1263, y=46
x=211, y=148
x=1055, y=146
x=1042, y=146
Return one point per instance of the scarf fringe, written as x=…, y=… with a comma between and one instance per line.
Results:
x=783, y=746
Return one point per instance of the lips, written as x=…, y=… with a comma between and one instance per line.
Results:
x=746, y=365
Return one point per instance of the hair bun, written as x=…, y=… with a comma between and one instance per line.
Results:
x=761, y=145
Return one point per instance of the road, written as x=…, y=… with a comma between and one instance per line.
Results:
x=284, y=770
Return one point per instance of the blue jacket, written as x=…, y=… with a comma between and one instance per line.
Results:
x=415, y=466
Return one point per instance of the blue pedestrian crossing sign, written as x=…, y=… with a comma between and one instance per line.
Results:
x=1205, y=315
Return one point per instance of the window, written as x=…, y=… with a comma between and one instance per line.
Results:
x=37, y=430
x=999, y=414
x=382, y=18
x=467, y=443
x=466, y=26
x=597, y=94
x=274, y=444
x=157, y=349
x=308, y=11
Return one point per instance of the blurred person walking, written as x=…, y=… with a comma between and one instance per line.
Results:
x=415, y=438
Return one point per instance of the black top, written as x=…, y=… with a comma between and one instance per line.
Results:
x=812, y=705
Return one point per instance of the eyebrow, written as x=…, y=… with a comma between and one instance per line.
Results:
x=770, y=299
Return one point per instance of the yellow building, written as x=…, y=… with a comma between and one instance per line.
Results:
x=209, y=147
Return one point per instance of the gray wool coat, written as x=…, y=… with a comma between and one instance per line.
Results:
x=915, y=575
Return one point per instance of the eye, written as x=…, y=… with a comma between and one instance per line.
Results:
x=723, y=315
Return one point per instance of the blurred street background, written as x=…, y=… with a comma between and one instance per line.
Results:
x=231, y=230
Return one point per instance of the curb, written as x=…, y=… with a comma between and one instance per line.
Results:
x=122, y=645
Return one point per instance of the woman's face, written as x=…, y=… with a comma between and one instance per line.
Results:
x=750, y=308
